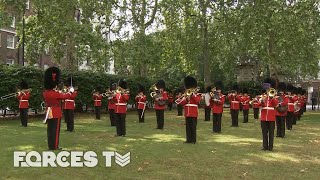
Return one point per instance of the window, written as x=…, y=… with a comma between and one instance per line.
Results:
x=27, y=5
x=46, y=66
x=13, y=25
x=46, y=50
x=10, y=62
x=10, y=41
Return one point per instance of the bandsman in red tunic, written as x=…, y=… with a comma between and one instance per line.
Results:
x=121, y=98
x=97, y=98
x=179, y=107
x=281, y=109
x=255, y=106
x=170, y=100
x=291, y=101
x=23, y=97
x=112, y=105
x=160, y=103
x=141, y=100
x=190, y=103
x=245, y=99
x=53, y=98
x=217, y=101
x=234, y=100
x=208, y=104
x=69, y=105
x=295, y=99
x=268, y=115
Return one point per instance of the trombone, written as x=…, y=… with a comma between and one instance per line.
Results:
x=11, y=95
x=187, y=93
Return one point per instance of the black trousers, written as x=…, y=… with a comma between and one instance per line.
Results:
x=121, y=124
x=217, y=122
x=234, y=117
x=179, y=108
x=267, y=134
x=53, y=133
x=141, y=117
x=69, y=118
x=112, y=117
x=313, y=106
x=281, y=130
x=24, y=116
x=294, y=118
x=289, y=120
x=245, y=116
x=160, y=118
x=170, y=106
x=256, y=113
x=191, y=129
x=207, y=114
x=98, y=111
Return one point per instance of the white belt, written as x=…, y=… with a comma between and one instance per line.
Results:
x=141, y=102
x=24, y=100
x=193, y=105
x=268, y=108
x=69, y=100
x=235, y=101
x=121, y=104
x=97, y=100
x=290, y=103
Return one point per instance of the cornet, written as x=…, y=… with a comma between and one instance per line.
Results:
x=108, y=93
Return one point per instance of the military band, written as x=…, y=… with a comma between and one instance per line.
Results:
x=112, y=104
x=141, y=100
x=245, y=99
x=160, y=97
x=208, y=104
x=217, y=101
x=179, y=107
x=234, y=100
x=97, y=98
x=281, y=110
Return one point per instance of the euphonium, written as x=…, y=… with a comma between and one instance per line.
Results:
x=154, y=90
x=272, y=92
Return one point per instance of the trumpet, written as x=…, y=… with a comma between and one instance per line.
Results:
x=122, y=91
x=108, y=93
x=11, y=95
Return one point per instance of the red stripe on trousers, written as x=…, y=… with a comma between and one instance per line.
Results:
x=57, y=134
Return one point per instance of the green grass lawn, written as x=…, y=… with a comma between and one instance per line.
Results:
x=156, y=154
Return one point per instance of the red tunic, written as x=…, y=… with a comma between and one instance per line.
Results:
x=255, y=103
x=121, y=103
x=170, y=98
x=141, y=101
x=234, y=102
x=97, y=100
x=217, y=106
x=163, y=98
x=191, y=107
x=291, y=102
x=69, y=103
x=24, y=100
x=111, y=103
x=284, y=103
x=268, y=113
x=245, y=102
x=52, y=99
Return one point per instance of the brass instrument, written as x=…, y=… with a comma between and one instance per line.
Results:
x=122, y=91
x=272, y=92
x=188, y=93
x=11, y=95
x=108, y=93
x=154, y=90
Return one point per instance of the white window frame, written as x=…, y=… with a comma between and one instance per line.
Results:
x=13, y=43
x=11, y=62
x=28, y=5
x=13, y=25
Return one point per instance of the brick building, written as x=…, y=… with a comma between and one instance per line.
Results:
x=11, y=54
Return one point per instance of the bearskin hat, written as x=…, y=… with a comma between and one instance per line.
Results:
x=161, y=84
x=269, y=83
x=235, y=87
x=282, y=86
x=51, y=77
x=113, y=86
x=98, y=89
x=179, y=90
x=245, y=91
x=218, y=85
x=24, y=84
x=123, y=83
x=190, y=82
x=208, y=89
x=141, y=88
x=290, y=88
